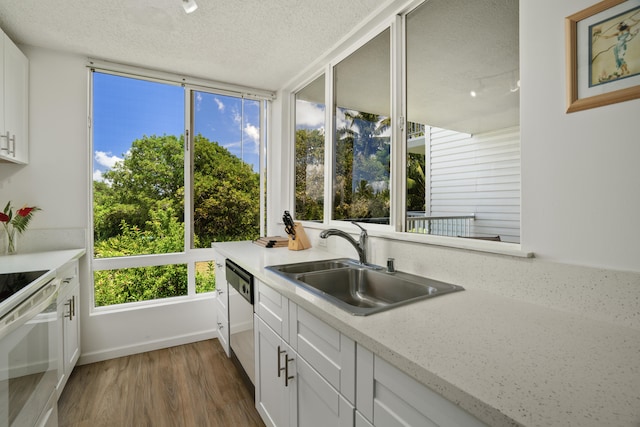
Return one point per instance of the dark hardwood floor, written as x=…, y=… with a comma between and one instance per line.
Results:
x=189, y=385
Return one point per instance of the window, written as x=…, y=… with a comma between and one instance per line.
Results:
x=155, y=209
x=226, y=168
x=448, y=163
x=463, y=139
x=362, y=140
x=309, y=151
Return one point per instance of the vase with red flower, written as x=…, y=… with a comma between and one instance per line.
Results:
x=15, y=224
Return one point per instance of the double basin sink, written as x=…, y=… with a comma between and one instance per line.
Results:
x=361, y=289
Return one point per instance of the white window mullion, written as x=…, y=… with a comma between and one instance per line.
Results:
x=329, y=143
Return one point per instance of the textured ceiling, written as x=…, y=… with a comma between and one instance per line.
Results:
x=255, y=43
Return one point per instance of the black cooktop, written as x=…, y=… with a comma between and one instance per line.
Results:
x=10, y=283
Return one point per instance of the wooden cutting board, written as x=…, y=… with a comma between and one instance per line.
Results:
x=272, y=242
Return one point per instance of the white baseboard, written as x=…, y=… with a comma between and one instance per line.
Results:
x=112, y=353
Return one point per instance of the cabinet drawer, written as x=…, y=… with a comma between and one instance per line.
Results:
x=68, y=276
x=389, y=397
x=272, y=308
x=328, y=351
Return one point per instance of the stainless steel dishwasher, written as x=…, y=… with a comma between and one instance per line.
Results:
x=241, y=319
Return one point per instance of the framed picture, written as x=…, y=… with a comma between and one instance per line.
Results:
x=603, y=54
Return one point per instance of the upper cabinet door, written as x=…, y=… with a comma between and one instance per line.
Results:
x=14, y=125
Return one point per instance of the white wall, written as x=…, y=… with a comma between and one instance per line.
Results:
x=580, y=171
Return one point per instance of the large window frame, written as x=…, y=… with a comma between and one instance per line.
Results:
x=395, y=230
x=190, y=255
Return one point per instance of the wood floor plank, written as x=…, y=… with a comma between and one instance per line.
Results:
x=190, y=385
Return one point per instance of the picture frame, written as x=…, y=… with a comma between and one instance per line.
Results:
x=603, y=54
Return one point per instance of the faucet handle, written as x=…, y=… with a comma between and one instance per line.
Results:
x=390, y=265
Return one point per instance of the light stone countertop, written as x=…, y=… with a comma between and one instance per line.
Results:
x=48, y=260
x=506, y=361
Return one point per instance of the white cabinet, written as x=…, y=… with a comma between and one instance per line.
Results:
x=69, y=319
x=289, y=391
x=14, y=113
x=222, y=302
x=331, y=353
x=272, y=308
x=310, y=374
x=388, y=397
x=305, y=369
x=273, y=365
x=318, y=404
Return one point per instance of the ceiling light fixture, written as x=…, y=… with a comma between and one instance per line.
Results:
x=189, y=5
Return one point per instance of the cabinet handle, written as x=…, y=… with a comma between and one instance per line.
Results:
x=73, y=305
x=287, y=377
x=69, y=303
x=280, y=368
x=13, y=144
x=8, y=149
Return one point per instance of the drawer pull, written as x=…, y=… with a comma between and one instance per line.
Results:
x=287, y=377
x=280, y=368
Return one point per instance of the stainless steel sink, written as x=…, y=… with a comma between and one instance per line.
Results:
x=361, y=289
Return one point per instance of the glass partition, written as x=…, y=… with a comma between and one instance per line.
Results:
x=309, y=151
x=362, y=139
x=463, y=129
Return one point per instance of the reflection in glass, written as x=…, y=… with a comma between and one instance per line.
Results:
x=463, y=135
x=362, y=142
x=309, y=151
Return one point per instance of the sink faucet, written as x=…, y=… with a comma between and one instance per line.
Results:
x=361, y=245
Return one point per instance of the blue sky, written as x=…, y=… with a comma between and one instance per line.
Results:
x=126, y=109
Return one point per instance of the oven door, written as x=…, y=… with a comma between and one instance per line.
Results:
x=29, y=357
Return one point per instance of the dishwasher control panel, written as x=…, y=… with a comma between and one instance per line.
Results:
x=240, y=280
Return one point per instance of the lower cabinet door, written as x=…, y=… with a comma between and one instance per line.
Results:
x=401, y=401
x=272, y=397
x=318, y=403
x=222, y=332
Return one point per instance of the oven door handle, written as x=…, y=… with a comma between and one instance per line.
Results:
x=30, y=308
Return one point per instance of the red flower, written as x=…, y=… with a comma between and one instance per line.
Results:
x=24, y=211
x=4, y=217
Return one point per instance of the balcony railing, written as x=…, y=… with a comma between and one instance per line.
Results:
x=457, y=226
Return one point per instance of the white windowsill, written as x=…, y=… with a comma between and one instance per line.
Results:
x=501, y=248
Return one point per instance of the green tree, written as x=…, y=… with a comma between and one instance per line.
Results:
x=362, y=167
x=416, y=182
x=162, y=234
x=226, y=193
x=139, y=209
x=309, y=171
x=150, y=177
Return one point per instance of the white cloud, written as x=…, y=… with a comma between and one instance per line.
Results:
x=252, y=132
x=97, y=175
x=198, y=100
x=309, y=114
x=106, y=159
x=220, y=104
